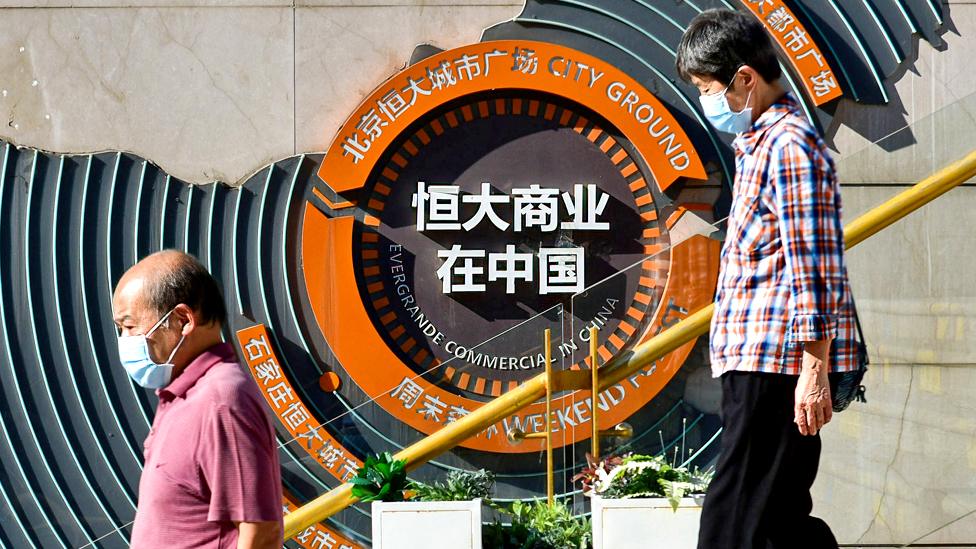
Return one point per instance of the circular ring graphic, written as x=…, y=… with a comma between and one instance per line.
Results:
x=548, y=114
x=339, y=249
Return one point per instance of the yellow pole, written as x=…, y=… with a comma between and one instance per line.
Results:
x=594, y=393
x=550, y=474
x=910, y=199
x=625, y=364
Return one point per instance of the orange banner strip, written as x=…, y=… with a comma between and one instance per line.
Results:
x=819, y=79
x=497, y=66
x=310, y=434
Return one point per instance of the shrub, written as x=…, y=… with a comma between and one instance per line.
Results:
x=381, y=478
x=536, y=525
x=460, y=486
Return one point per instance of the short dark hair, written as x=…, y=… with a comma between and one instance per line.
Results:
x=185, y=280
x=717, y=42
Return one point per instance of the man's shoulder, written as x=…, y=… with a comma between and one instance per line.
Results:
x=226, y=383
x=791, y=130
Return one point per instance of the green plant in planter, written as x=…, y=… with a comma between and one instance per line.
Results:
x=638, y=476
x=381, y=478
x=537, y=525
x=460, y=486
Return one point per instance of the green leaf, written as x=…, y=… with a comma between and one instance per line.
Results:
x=380, y=477
x=674, y=491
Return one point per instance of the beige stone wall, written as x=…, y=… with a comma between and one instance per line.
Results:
x=902, y=468
x=209, y=89
x=215, y=89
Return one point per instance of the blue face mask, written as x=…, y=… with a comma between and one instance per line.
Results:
x=134, y=354
x=717, y=111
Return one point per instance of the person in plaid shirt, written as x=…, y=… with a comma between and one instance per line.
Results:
x=783, y=308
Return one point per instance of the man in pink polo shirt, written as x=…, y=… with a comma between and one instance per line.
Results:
x=211, y=477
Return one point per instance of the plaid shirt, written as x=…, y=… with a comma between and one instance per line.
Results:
x=783, y=278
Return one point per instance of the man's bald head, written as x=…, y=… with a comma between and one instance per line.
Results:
x=170, y=277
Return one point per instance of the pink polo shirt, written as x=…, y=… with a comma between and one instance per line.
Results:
x=211, y=458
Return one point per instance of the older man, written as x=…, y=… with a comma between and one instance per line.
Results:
x=211, y=476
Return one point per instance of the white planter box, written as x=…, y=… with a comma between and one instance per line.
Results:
x=427, y=525
x=645, y=523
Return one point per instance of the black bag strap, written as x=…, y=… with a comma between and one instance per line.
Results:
x=862, y=358
x=862, y=343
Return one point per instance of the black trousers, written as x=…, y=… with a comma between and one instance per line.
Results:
x=760, y=495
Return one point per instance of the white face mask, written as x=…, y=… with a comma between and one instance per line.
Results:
x=716, y=109
x=134, y=354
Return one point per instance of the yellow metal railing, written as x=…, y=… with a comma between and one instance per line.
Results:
x=625, y=364
x=622, y=430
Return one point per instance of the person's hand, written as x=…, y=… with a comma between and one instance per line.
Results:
x=812, y=405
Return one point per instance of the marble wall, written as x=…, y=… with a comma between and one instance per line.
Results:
x=902, y=468
x=209, y=89
x=216, y=89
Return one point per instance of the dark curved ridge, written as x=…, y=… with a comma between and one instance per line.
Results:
x=870, y=43
x=72, y=422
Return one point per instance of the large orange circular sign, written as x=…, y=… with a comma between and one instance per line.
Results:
x=344, y=248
